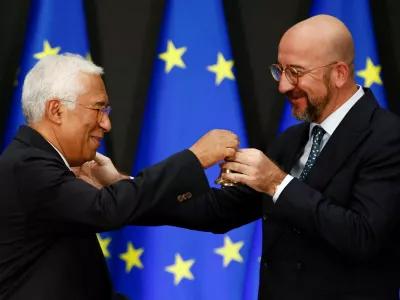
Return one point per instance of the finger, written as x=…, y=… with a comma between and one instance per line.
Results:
x=101, y=159
x=242, y=178
x=229, y=152
x=237, y=167
x=242, y=157
x=233, y=142
x=86, y=167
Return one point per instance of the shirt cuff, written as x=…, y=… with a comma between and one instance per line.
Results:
x=131, y=177
x=280, y=188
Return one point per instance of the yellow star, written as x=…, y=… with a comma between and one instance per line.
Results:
x=180, y=269
x=104, y=245
x=173, y=57
x=89, y=57
x=371, y=73
x=223, y=69
x=230, y=251
x=132, y=257
x=47, y=50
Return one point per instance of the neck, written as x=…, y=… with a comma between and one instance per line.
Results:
x=47, y=132
x=338, y=99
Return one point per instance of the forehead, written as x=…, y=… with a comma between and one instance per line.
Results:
x=299, y=50
x=95, y=91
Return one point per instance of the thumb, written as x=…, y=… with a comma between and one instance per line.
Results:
x=101, y=159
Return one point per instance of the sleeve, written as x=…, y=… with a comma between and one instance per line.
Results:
x=56, y=201
x=281, y=187
x=360, y=228
x=216, y=211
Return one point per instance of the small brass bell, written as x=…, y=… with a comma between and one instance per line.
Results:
x=225, y=182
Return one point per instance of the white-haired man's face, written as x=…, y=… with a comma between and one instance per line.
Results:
x=82, y=128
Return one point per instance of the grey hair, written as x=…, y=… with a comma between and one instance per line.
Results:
x=54, y=77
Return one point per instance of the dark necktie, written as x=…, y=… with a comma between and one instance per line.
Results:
x=317, y=134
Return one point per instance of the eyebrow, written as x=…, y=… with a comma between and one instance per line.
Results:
x=297, y=66
x=291, y=65
x=100, y=103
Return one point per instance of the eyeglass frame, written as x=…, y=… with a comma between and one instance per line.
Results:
x=100, y=113
x=297, y=76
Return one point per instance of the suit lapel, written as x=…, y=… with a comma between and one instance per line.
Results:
x=353, y=129
x=297, y=140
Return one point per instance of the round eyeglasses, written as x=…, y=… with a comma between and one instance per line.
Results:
x=103, y=110
x=291, y=73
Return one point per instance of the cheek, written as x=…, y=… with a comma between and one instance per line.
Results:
x=305, y=86
x=88, y=123
x=313, y=88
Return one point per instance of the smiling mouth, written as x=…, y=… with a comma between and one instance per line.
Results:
x=97, y=139
x=294, y=100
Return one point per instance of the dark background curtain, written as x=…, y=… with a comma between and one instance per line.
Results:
x=123, y=36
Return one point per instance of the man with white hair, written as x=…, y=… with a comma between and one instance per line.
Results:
x=48, y=217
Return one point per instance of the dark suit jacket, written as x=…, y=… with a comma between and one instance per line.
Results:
x=333, y=236
x=48, y=218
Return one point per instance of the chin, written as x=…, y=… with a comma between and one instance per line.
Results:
x=298, y=114
x=90, y=156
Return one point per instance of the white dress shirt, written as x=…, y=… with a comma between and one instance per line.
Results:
x=329, y=125
x=62, y=156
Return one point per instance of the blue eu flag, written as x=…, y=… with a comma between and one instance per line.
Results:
x=53, y=27
x=193, y=90
x=356, y=14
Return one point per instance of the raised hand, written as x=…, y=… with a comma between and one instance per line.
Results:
x=254, y=169
x=214, y=146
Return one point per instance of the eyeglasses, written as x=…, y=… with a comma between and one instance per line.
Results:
x=291, y=73
x=101, y=110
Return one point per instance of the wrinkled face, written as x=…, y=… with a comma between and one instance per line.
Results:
x=313, y=91
x=83, y=127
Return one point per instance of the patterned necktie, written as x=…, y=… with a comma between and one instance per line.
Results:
x=317, y=133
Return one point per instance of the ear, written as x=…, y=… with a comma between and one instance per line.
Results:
x=341, y=74
x=54, y=111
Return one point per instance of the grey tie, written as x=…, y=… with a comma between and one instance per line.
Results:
x=317, y=133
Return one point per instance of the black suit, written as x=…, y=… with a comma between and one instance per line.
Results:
x=48, y=218
x=333, y=236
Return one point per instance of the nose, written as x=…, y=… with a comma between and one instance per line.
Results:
x=284, y=84
x=105, y=123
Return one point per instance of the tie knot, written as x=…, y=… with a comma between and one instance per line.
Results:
x=318, y=132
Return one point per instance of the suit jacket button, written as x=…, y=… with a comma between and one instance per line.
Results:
x=265, y=217
x=180, y=198
x=299, y=265
x=189, y=195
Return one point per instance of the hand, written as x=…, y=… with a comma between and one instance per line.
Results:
x=255, y=170
x=215, y=146
x=99, y=172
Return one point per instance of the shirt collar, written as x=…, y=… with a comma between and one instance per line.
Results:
x=62, y=156
x=333, y=121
